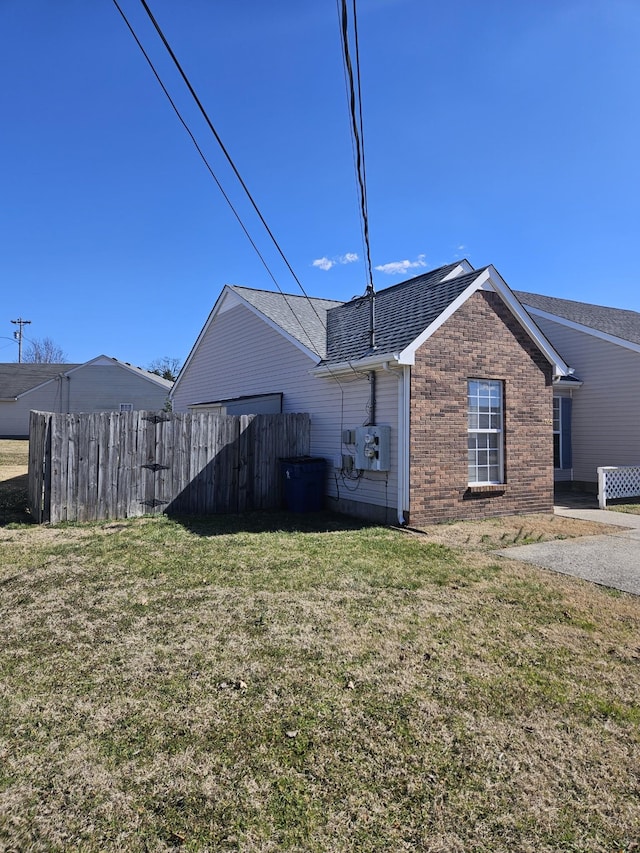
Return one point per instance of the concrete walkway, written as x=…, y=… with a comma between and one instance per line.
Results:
x=610, y=559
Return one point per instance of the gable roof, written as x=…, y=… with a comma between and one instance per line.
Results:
x=617, y=322
x=303, y=318
x=402, y=312
x=407, y=314
x=17, y=379
x=336, y=334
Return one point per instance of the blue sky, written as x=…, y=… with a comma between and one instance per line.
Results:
x=506, y=133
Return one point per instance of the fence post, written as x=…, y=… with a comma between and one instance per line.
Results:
x=602, y=487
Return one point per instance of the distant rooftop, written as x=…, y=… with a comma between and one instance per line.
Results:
x=619, y=322
x=16, y=379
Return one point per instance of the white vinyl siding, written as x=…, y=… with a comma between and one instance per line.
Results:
x=606, y=408
x=241, y=355
x=90, y=388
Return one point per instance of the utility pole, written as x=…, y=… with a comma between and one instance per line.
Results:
x=18, y=335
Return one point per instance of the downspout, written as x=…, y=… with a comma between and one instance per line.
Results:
x=403, y=440
x=372, y=398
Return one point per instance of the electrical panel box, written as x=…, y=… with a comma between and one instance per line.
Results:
x=348, y=436
x=373, y=448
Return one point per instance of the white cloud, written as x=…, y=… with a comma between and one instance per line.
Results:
x=400, y=267
x=329, y=263
x=323, y=263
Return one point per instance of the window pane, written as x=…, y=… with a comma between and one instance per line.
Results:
x=485, y=421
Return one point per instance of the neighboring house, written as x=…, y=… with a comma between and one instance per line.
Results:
x=101, y=385
x=446, y=413
x=596, y=419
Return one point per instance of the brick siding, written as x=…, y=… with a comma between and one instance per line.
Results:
x=481, y=340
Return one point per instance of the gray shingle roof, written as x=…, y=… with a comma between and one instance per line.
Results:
x=305, y=319
x=15, y=379
x=618, y=322
x=402, y=313
x=339, y=331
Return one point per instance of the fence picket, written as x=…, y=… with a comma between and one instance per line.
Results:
x=123, y=464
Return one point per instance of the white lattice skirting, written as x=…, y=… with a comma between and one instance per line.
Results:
x=616, y=483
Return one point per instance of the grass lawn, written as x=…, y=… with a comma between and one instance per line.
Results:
x=633, y=508
x=304, y=683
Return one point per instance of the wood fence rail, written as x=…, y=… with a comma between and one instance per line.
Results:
x=85, y=467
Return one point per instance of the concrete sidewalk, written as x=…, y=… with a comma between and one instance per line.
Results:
x=611, y=559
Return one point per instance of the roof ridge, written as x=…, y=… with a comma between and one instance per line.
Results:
x=281, y=293
x=574, y=301
x=414, y=279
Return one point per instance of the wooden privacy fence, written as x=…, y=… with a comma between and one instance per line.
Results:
x=85, y=467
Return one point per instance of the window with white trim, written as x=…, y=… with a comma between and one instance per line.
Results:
x=562, y=433
x=557, y=433
x=126, y=407
x=485, y=428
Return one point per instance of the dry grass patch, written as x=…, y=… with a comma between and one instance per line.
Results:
x=279, y=683
x=503, y=532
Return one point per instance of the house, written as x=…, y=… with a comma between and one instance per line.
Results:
x=431, y=400
x=596, y=412
x=101, y=385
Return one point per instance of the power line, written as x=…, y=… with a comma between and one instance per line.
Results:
x=354, y=95
x=233, y=166
x=215, y=178
x=225, y=151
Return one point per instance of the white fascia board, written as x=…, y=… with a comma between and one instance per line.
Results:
x=228, y=299
x=226, y=296
x=408, y=355
x=490, y=279
x=42, y=384
x=109, y=361
x=140, y=372
x=560, y=367
x=462, y=268
x=273, y=325
x=565, y=382
x=587, y=330
x=360, y=365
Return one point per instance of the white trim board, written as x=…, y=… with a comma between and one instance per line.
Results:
x=578, y=327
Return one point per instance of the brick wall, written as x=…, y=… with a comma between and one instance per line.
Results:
x=481, y=340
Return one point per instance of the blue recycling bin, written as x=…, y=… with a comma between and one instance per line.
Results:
x=303, y=483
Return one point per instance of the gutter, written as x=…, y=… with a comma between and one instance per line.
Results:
x=357, y=365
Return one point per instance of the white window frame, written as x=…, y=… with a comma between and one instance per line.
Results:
x=483, y=422
x=126, y=407
x=557, y=420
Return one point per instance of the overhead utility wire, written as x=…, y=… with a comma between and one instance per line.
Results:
x=242, y=183
x=212, y=173
x=227, y=155
x=357, y=128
